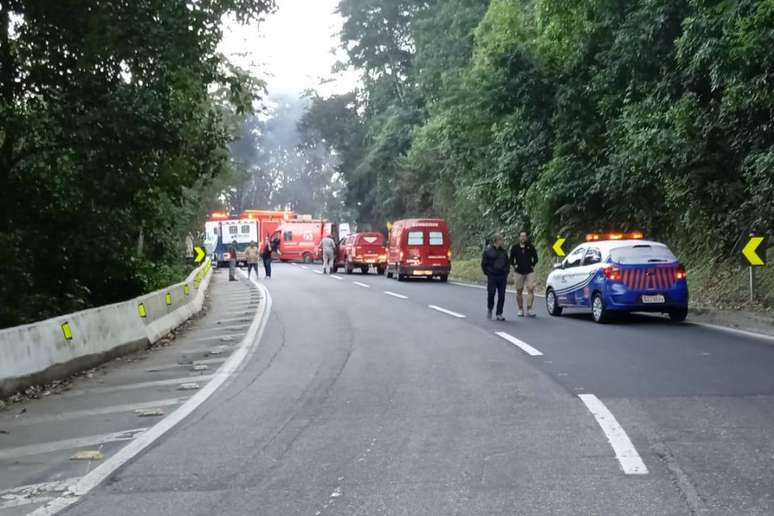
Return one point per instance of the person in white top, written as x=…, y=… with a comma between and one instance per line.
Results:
x=328, y=246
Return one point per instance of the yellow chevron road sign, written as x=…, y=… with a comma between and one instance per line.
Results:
x=557, y=247
x=754, y=252
x=200, y=254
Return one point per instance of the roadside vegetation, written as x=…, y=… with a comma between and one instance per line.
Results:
x=114, y=124
x=564, y=118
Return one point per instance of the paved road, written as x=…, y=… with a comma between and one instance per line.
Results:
x=362, y=402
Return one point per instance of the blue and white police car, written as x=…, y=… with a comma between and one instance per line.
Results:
x=619, y=272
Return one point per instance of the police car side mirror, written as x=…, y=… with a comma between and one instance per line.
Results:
x=559, y=265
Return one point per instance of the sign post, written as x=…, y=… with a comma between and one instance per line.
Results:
x=754, y=251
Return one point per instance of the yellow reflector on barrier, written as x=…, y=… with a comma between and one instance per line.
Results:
x=186, y=290
x=66, y=331
x=168, y=299
x=141, y=310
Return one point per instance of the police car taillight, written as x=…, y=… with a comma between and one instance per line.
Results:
x=681, y=273
x=612, y=273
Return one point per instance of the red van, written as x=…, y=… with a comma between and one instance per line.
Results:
x=362, y=251
x=419, y=248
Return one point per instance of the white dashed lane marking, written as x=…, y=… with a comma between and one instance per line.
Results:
x=393, y=294
x=445, y=311
x=336, y=277
x=317, y=272
x=364, y=285
x=625, y=452
x=519, y=343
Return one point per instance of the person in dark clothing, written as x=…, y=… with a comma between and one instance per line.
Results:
x=275, y=244
x=523, y=258
x=494, y=263
x=232, y=261
x=266, y=250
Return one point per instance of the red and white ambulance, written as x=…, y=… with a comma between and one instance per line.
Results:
x=419, y=248
x=221, y=229
x=300, y=239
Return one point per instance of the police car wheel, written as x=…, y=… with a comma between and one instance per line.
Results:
x=551, y=305
x=598, y=310
x=678, y=315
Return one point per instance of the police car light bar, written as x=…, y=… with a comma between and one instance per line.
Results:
x=634, y=235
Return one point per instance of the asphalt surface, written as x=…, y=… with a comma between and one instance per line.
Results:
x=360, y=402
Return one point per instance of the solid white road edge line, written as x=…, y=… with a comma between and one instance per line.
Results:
x=128, y=452
x=519, y=343
x=393, y=294
x=737, y=331
x=630, y=461
x=445, y=311
x=364, y=285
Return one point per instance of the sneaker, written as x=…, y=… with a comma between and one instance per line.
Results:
x=489, y=314
x=500, y=318
x=521, y=313
x=530, y=313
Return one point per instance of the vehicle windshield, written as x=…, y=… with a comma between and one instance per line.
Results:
x=642, y=253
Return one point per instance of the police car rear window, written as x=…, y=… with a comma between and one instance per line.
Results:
x=642, y=253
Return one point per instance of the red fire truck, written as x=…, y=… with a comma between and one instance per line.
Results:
x=419, y=248
x=300, y=238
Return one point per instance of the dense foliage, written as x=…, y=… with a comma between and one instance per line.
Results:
x=282, y=165
x=110, y=138
x=563, y=117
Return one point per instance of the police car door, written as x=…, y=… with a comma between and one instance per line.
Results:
x=585, y=274
x=568, y=276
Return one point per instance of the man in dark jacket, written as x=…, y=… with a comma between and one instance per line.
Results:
x=494, y=263
x=523, y=259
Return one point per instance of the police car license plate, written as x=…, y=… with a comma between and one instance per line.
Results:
x=658, y=298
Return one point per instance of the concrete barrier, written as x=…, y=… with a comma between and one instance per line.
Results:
x=44, y=351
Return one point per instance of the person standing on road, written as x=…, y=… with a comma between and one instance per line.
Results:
x=523, y=259
x=252, y=259
x=494, y=263
x=275, y=243
x=232, y=260
x=266, y=256
x=328, y=253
